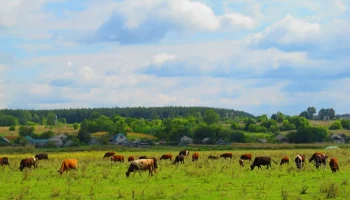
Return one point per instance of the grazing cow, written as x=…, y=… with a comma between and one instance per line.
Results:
x=27, y=162
x=184, y=153
x=241, y=163
x=179, y=159
x=300, y=160
x=213, y=157
x=319, y=158
x=155, y=162
x=131, y=158
x=166, y=157
x=4, y=161
x=246, y=156
x=333, y=163
x=68, y=164
x=42, y=156
x=226, y=155
x=117, y=158
x=108, y=154
x=262, y=160
x=141, y=164
x=284, y=160
x=143, y=157
x=195, y=156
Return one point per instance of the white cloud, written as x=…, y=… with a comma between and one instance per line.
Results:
x=289, y=30
x=160, y=59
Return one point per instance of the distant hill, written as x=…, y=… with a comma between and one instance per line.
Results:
x=79, y=114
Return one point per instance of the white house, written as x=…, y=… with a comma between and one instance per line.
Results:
x=118, y=139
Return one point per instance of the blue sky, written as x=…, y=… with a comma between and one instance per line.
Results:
x=259, y=56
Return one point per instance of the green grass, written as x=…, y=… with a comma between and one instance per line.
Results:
x=97, y=178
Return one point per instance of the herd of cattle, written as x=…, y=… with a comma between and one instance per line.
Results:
x=150, y=163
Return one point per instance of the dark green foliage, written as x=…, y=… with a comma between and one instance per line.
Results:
x=6, y=120
x=211, y=117
x=12, y=128
x=26, y=130
x=75, y=126
x=287, y=126
x=248, y=122
x=235, y=126
x=237, y=136
x=51, y=119
x=268, y=123
x=324, y=113
x=257, y=128
x=299, y=122
x=308, y=134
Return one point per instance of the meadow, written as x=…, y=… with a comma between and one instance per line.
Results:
x=98, y=178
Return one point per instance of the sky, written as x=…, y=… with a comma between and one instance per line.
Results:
x=258, y=56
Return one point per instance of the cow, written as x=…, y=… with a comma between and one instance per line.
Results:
x=333, y=163
x=42, y=156
x=179, y=159
x=213, y=157
x=68, y=164
x=241, y=162
x=284, y=160
x=4, y=161
x=117, y=158
x=319, y=158
x=155, y=162
x=131, y=158
x=184, y=153
x=166, y=157
x=143, y=157
x=262, y=160
x=246, y=156
x=195, y=156
x=27, y=162
x=299, y=160
x=109, y=154
x=226, y=155
x=141, y=164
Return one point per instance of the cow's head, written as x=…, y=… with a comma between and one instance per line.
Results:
x=252, y=167
x=133, y=167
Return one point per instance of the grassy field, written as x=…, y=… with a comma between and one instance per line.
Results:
x=97, y=178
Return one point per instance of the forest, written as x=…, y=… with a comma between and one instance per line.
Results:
x=172, y=123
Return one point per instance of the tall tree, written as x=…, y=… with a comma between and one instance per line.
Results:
x=311, y=111
x=211, y=117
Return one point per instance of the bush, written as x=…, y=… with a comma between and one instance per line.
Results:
x=12, y=128
x=75, y=126
x=335, y=126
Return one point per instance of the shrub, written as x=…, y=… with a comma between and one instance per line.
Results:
x=12, y=128
x=335, y=125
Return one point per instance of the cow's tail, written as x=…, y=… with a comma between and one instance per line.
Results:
x=274, y=161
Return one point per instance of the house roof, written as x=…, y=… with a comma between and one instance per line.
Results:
x=205, y=139
x=27, y=137
x=262, y=140
x=63, y=136
x=41, y=140
x=3, y=140
x=337, y=136
x=185, y=138
x=281, y=137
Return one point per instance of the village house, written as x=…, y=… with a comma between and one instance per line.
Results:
x=118, y=139
x=338, y=138
x=186, y=140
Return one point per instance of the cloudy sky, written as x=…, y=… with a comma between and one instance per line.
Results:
x=259, y=56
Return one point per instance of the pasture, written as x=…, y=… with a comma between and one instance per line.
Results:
x=98, y=178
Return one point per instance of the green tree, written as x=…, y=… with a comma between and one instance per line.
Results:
x=75, y=126
x=345, y=123
x=26, y=130
x=237, y=136
x=280, y=117
x=262, y=118
x=50, y=119
x=287, y=126
x=311, y=111
x=308, y=134
x=84, y=136
x=299, y=122
x=211, y=117
x=235, y=126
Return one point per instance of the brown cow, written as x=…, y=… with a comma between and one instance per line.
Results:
x=284, y=160
x=262, y=160
x=300, y=160
x=333, y=163
x=131, y=158
x=319, y=158
x=179, y=159
x=68, y=164
x=246, y=156
x=117, y=158
x=109, y=154
x=141, y=164
x=195, y=156
x=184, y=153
x=27, y=162
x=166, y=157
x=226, y=155
x=241, y=163
x=4, y=161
